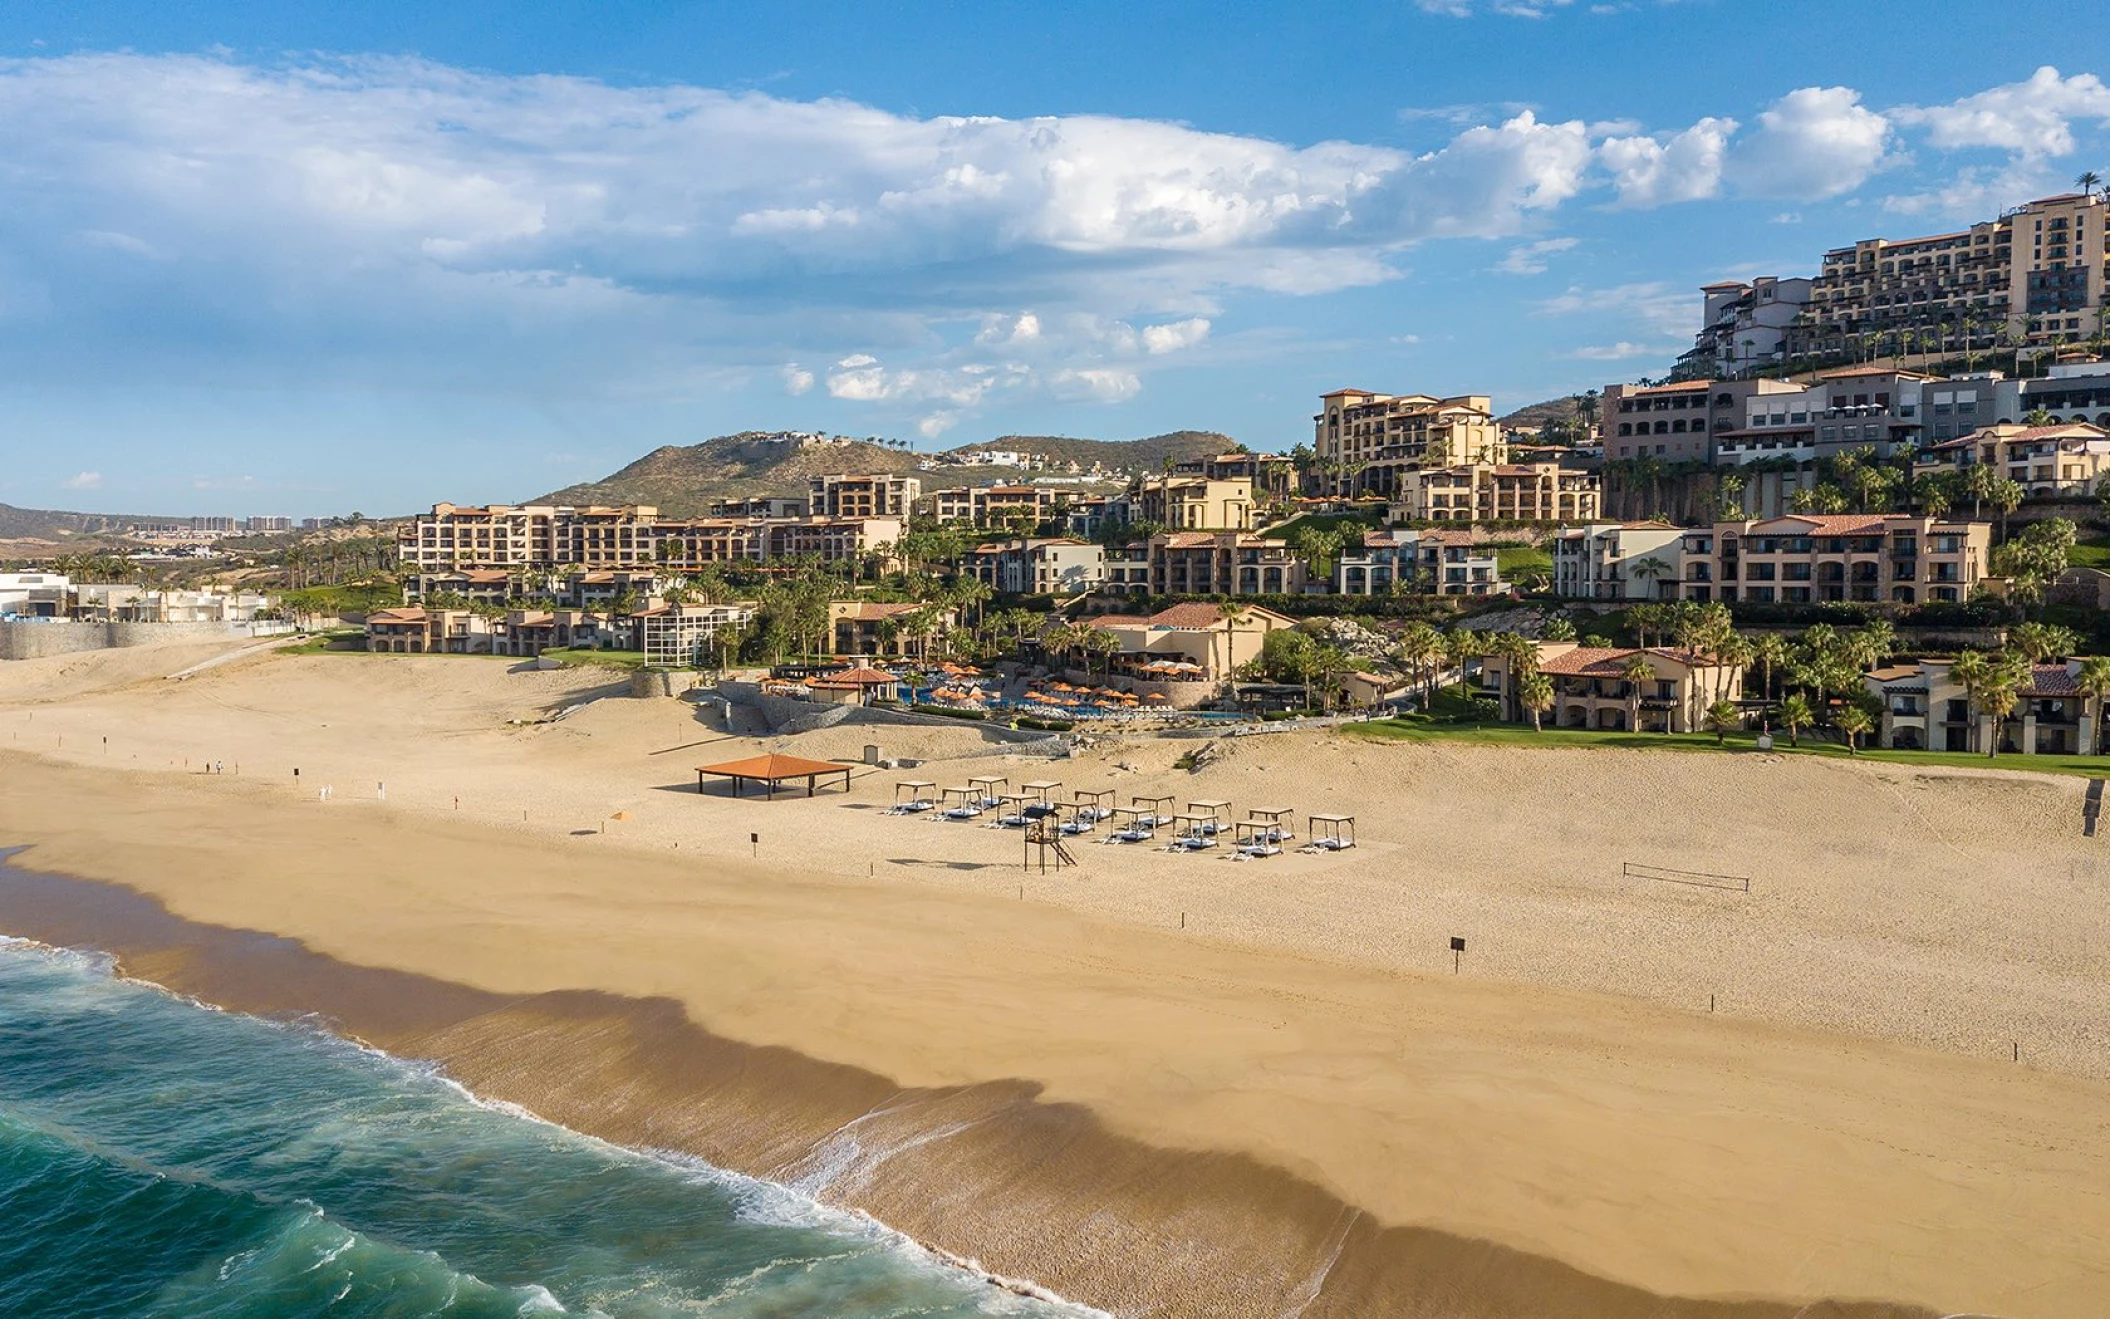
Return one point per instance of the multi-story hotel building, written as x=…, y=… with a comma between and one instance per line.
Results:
x=1424, y=562
x=537, y=537
x=997, y=505
x=1273, y=475
x=1491, y=492
x=2043, y=460
x=1618, y=561
x=1676, y=423
x=1206, y=563
x=1038, y=566
x=1853, y=408
x=1192, y=503
x=1807, y=558
x=880, y=495
x=1364, y=440
x=2038, y=270
x=1925, y=708
x=1744, y=327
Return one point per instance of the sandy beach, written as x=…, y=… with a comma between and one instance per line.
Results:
x=1289, y=1106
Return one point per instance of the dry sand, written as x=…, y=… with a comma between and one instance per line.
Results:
x=1198, y=1121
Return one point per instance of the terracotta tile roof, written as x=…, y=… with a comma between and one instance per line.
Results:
x=863, y=676
x=1116, y=620
x=1606, y=662
x=1198, y=617
x=871, y=612
x=1828, y=524
x=2051, y=680
x=1188, y=540
x=1448, y=538
x=773, y=766
x=412, y=615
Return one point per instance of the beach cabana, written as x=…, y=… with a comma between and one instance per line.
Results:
x=1095, y=803
x=970, y=804
x=1041, y=807
x=987, y=783
x=1136, y=827
x=1278, y=822
x=1197, y=830
x=922, y=795
x=1157, y=808
x=1218, y=813
x=1334, y=833
x=1252, y=838
x=772, y=770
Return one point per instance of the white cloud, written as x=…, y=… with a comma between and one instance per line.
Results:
x=1530, y=259
x=797, y=379
x=83, y=481
x=1662, y=308
x=1687, y=166
x=1617, y=352
x=1098, y=385
x=1513, y=8
x=1175, y=335
x=2031, y=118
x=1813, y=143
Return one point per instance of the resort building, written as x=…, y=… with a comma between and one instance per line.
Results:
x=880, y=495
x=1591, y=689
x=1272, y=476
x=1401, y=561
x=1038, y=566
x=1222, y=563
x=476, y=585
x=1364, y=440
x=1492, y=492
x=34, y=594
x=1617, y=561
x=112, y=602
x=1187, y=652
x=417, y=631
x=759, y=506
x=1925, y=709
x=1085, y=515
x=528, y=632
x=1854, y=408
x=540, y=538
x=681, y=636
x=1192, y=503
x=1744, y=327
x=1676, y=423
x=1807, y=558
x=2044, y=460
x=996, y=505
x=864, y=627
x=1128, y=568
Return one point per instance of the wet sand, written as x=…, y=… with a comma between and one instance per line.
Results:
x=1155, y=1122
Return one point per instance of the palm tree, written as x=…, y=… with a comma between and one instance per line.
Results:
x=1535, y=693
x=1721, y=717
x=2094, y=683
x=1652, y=570
x=1854, y=721
x=1634, y=672
x=1768, y=650
x=1232, y=614
x=1418, y=653
x=1971, y=671
x=2088, y=181
x=1459, y=645
x=1796, y=715
x=2009, y=671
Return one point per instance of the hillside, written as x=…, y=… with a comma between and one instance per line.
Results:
x=1533, y=416
x=1148, y=454
x=682, y=480
x=53, y=525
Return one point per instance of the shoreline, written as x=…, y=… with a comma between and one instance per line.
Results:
x=1059, y=1076
x=501, y=1048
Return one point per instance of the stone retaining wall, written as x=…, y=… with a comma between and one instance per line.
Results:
x=24, y=640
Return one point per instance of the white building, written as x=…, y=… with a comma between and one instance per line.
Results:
x=684, y=635
x=33, y=594
x=1618, y=561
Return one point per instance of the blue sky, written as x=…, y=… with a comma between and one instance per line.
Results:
x=260, y=257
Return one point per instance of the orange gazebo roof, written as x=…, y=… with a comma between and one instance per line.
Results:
x=774, y=766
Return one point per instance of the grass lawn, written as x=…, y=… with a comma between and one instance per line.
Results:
x=1518, y=562
x=1348, y=524
x=572, y=658
x=2091, y=552
x=1415, y=729
x=321, y=643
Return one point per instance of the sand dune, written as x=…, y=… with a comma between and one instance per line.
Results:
x=1847, y=1122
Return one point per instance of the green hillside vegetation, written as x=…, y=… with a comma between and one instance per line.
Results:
x=1148, y=454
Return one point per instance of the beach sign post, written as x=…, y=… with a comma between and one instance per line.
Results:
x=754, y=844
x=1457, y=951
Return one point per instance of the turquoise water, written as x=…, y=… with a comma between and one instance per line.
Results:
x=159, y=1158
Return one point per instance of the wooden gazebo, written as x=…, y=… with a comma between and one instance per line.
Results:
x=772, y=770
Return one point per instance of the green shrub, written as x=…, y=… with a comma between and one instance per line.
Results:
x=1036, y=724
x=949, y=713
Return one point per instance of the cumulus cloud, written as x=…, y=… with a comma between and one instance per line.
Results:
x=2033, y=117
x=1513, y=8
x=1652, y=171
x=1617, y=352
x=1813, y=143
x=1174, y=335
x=797, y=379
x=1530, y=258
x=83, y=481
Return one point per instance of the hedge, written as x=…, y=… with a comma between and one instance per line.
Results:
x=950, y=713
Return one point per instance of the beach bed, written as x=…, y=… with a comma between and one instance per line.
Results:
x=1133, y=824
x=1158, y=808
x=922, y=796
x=967, y=808
x=987, y=782
x=1331, y=833
x=1279, y=821
x=1197, y=830
x=1251, y=839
